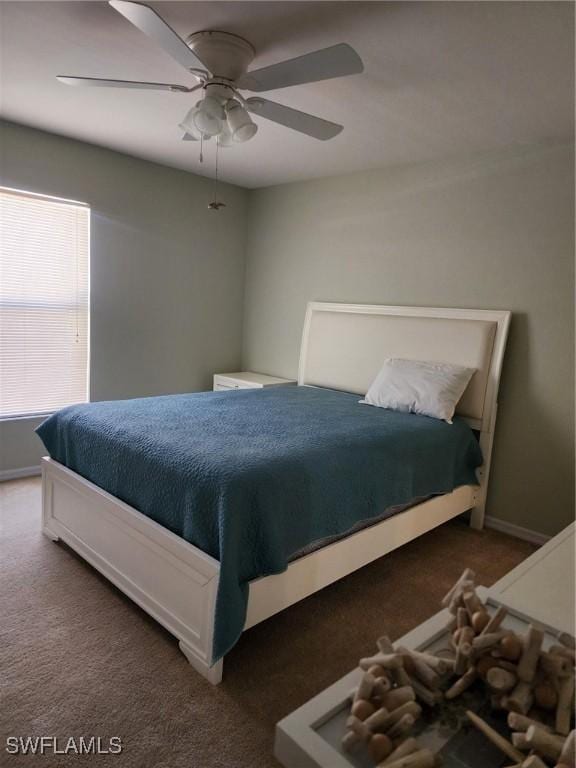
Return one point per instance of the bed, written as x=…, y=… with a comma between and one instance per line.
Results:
x=214, y=539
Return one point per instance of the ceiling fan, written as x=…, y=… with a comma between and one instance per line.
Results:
x=219, y=61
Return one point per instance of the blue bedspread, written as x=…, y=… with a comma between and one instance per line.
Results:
x=251, y=477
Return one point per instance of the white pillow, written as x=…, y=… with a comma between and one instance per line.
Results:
x=418, y=386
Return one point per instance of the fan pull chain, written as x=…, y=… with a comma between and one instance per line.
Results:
x=216, y=204
x=216, y=169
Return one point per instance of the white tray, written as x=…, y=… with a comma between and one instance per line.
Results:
x=310, y=736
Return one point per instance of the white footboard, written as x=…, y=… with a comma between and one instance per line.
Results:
x=169, y=578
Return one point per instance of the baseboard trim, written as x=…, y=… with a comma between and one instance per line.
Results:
x=15, y=474
x=516, y=530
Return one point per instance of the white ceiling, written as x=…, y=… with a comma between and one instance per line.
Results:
x=441, y=79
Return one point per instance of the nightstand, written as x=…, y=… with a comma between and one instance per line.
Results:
x=247, y=380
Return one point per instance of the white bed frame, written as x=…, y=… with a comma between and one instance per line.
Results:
x=343, y=346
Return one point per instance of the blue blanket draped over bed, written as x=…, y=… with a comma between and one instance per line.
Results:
x=253, y=476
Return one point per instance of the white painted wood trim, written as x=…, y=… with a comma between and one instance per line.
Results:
x=313, y=572
x=176, y=583
x=16, y=474
x=500, y=317
x=534, y=537
x=168, y=578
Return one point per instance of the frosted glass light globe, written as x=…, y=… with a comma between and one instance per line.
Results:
x=241, y=126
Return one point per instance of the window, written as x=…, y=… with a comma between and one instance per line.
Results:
x=44, y=317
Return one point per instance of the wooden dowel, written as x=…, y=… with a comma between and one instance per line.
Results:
x=499, y=741
x=461, y=684
x=418, y=668
x=467, y=575
x=380, y=746
x=479, y=620
x=546, y=744
x=430, y=698
x=382, y=719
x=555, y=665
x=362, y=709
x=381, y=686
x=518, y=722
x=462, y=618
x=437, y=663
x=401, y=728
x=495, y=620
x=520, y=741
x=385, y=644
x=510, y=647
x=365, y=687
x=359, y=728
x=520, y=699
x=463, y=650
x=472, y=602
x=533, y=762
x=546, y=695
x=401, y=677
x=500, y=680
x=568, y=753
x=386, y=660
x=398, y=696
x=486, y=642
x=564, y=706
x=530, y=655
x=405, y=748
x=457, y=601
x=379, y=720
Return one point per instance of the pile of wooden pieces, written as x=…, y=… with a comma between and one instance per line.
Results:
x=384, y=710
x=385, y=707
x=534, y=686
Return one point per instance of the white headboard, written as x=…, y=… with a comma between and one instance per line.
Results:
x=345, y=345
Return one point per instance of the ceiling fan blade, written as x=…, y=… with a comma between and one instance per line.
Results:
x=336, y=61
x=148, y=21
x=293, y=118
x=97, y=82
x=188, y=137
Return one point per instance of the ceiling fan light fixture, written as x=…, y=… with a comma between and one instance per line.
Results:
x=239, y=122
x=209, y=117
x=225, y=138
x=211, y=106
x=206, y=124
x=189, y=126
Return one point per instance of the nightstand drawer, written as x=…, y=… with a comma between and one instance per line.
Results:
x=224, y=382
x=221, y=386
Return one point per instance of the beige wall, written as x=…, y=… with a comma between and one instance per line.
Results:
x=166, y=273
x=494, y=231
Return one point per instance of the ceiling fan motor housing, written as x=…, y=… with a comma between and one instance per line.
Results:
x=225, y=55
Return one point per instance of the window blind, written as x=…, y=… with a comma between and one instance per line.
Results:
x=44, y=300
